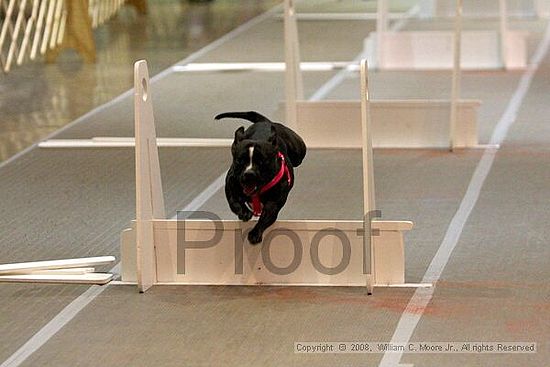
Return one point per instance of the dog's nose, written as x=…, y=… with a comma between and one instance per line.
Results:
x=249, y=177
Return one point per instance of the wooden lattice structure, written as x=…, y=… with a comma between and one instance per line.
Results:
x=31, y=28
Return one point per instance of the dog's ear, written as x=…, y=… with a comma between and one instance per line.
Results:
x=239, y=134
x=273, y=137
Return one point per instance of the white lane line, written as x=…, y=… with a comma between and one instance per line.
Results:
x=73, y=308
x=422, y=296
x=202, y=198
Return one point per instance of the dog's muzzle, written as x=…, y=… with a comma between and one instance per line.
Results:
x=249, y=182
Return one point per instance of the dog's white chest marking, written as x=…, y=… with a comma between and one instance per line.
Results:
x=250, y=155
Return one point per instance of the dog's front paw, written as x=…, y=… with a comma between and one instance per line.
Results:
x=255, y=237
x=245, y=215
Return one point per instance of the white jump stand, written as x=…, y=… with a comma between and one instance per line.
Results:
x=433, y=50
x=395, y=123
x=157, y=250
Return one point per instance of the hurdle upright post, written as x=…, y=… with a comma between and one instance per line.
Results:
x=294, y=89
x=369, y=205
x=149, y=194
x=503, y=23
x=381, y=29
x=455, y=87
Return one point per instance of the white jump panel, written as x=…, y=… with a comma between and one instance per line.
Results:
x=328, y=253
x=432, y=50
x=542, y=8
x=395, y=124
x=478, y=9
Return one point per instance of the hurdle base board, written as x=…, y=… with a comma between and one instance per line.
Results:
x=395, y=123
x=542, y=8
x=484, y=9
x=129, y=142
x=344, y=16
x=433, y=50
x=264, y=66
x=216, y=265
x=401, y=285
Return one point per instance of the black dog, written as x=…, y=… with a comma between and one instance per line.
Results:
x=261, y=176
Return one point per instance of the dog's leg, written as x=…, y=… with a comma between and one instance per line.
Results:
x=237, y=206
x=270, y=212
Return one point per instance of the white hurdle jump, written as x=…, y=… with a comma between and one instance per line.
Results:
x=432, y=50
x=396, y=123
x=157, y=250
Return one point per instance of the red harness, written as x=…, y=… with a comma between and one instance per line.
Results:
x=255, y=204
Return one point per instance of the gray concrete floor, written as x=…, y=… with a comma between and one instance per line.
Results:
x=68, y=203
